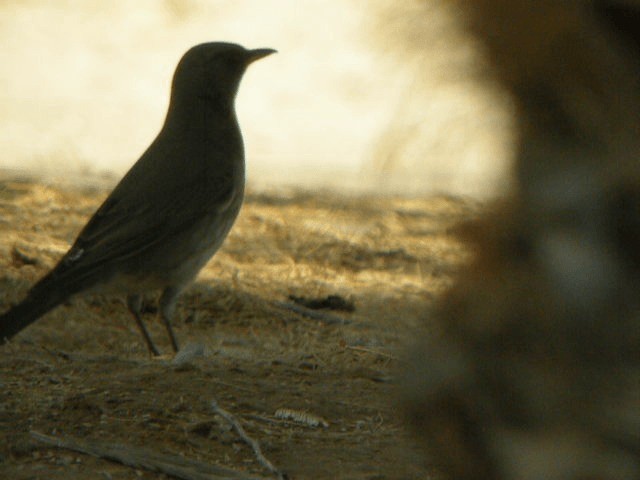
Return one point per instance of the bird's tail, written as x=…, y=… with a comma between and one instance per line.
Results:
x=44, y=296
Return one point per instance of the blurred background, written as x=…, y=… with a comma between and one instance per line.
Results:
x=363, y=96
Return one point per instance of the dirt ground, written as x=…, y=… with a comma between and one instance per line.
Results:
x=83, y=372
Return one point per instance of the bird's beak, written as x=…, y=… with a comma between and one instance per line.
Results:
x=258, y=53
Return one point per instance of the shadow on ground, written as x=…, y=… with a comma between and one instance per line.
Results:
x=83, y=371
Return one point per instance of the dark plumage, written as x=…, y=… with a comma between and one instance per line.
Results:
x=172, y=210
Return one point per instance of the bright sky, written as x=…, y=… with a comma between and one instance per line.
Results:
x=84, y=88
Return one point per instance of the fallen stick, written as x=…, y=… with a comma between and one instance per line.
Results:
x=172, y=465
x=255, y=446
x=325, y=318
x=373, y=351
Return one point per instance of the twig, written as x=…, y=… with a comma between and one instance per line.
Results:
x=371, y=350
x=327, y=318
x=172, y=465
x=330, y=302
x=255, y=446
x=54, y=353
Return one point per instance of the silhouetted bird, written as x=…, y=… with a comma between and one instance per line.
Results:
x=171, y=211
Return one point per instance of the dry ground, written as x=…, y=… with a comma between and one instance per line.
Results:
x=84, y=372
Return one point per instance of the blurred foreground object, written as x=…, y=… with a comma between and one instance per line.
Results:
x=532, y=367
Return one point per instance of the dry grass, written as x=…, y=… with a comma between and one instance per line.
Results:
x=84, y=371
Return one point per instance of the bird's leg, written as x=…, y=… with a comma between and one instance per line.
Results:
x=134, y=302
x=167, y=306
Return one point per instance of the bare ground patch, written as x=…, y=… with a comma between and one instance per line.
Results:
x=83, y=371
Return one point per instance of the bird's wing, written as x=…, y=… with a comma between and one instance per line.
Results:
x=129, y=223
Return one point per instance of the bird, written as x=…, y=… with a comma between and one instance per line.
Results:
x=171, y=211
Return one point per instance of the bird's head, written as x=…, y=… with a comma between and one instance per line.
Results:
x=212, y=72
